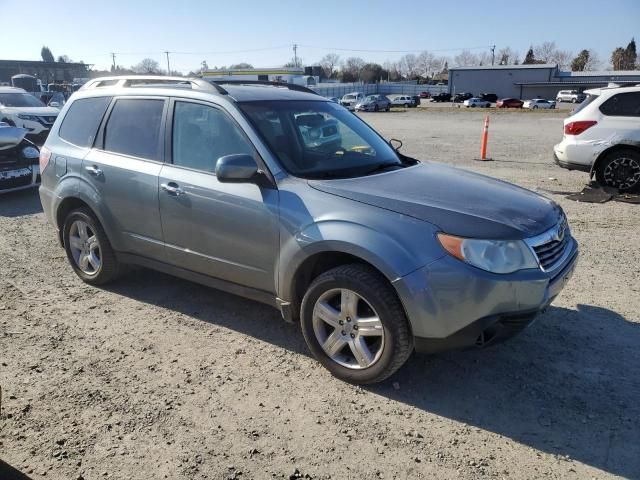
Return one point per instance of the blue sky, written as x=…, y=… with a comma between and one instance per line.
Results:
x=261, y=32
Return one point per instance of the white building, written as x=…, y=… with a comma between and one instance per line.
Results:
x=295, y=75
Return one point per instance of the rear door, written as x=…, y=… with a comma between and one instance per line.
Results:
x=224, y=230
x=123, y=170
x=620, y=118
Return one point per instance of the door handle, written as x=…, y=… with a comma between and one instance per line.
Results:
x=93, y=170
x=172, y=188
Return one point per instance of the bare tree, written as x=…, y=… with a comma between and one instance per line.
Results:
x=329, y=63
x=148, y=66
x=409, y=65
x=547, y=52
x=427, y=62
x=506, y=56
x=466, y=59
x=351, y=68
x=593, y=62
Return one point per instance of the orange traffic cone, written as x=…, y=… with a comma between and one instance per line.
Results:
x=485, y=139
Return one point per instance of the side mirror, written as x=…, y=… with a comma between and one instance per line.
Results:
x=393, y=142
x=237, y=168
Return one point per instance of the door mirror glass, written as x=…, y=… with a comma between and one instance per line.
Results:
x=236, y=168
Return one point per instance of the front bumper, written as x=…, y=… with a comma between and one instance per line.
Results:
x=452, y=305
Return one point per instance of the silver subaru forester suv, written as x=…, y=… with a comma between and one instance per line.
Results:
x=274, y=193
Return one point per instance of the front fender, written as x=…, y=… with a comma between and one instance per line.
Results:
x=392, y=257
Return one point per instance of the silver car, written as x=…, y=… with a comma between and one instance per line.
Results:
x=374, y=103
x=373, y=253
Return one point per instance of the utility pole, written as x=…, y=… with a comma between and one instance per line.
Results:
x=493, y=54
x=295, y=54
x=168, y=67
x=113, y=56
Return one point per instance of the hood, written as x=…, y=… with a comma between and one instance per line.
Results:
x=40, y=111
x=456, y=201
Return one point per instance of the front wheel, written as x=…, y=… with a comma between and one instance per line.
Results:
x=354, y=324
x=620, y=170
x=88, y=248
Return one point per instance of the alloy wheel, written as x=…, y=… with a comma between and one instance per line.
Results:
x=85, y=247
x=348, y=328
x=622, y=173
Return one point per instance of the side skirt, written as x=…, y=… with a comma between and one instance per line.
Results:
x=230, y=287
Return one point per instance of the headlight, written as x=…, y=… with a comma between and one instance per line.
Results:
x=30, y=152
x=24, y=116
x=497, y=256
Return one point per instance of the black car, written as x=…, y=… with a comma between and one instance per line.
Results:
x=19, y=166
x=489, y=97
x=416, y=100
x=441, y=97
x=461, y=97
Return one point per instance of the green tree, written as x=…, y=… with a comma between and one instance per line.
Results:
x=46, y=55
x=579, y=64
x=618, y=58
x=240, y=66
x=630, y=56
x=529, y=58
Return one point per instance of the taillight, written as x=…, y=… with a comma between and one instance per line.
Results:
x=576, y=128
x=45, y=156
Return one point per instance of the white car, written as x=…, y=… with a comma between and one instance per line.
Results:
x=536, y=103
x=403, y=101
x=21, y=109
x=572, y=96
x=602, y=137
x=350, y=100
x=476, y=102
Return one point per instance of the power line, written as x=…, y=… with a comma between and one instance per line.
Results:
x=395, y=51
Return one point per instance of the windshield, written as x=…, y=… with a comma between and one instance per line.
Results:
x=590, y=98
x=19, y=100
x=320, y=139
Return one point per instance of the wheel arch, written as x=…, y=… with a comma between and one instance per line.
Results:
x=67, y=205
x=614, y=148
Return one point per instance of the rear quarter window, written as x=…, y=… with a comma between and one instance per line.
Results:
x=590, y=99
x=81, y=122
x=622, y=105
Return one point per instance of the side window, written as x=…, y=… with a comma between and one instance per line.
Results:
x=202, y=134
x=133, y=128
x=81, y=122
x=622, y=105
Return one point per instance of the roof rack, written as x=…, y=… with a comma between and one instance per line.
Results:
x=127, y=81
x=290, y=86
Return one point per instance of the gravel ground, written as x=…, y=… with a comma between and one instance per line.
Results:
x=156, y=377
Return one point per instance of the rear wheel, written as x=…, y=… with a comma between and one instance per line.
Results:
x=375, y=108
x=573, y=100
x=354, y=324
x=88, y=248
x=620, y=170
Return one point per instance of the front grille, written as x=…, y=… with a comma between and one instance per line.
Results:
x=550, y=252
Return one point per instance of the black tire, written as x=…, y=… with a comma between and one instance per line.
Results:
x=388, y=109
x=573, y=100
x=375, y=108
x=110, y=268
x=406, y=105
x=376, y=290
x=604, y=174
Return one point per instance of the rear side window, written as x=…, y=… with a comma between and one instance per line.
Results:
x=133, y=128
x=81, y=122
x=622, y=105
x=585, y=102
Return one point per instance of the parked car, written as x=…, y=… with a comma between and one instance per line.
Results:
x=319, y=132
x=602, y=137
x=461, y=97
x=489, y=97
x=425, y=95
x=441, y=97
x=509, y=103
x=19, y=168
x=416, y=100
x=403, y=101
x=536, y=103
x=374, y=253
x=351, y=99
x=476, y=102
x=572, y=96
x=21, y=109
x=374, y=103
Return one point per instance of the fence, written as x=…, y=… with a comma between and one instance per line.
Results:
x=330, y=90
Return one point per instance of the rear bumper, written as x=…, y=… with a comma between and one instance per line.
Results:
x=451, y=305
x=570, y=165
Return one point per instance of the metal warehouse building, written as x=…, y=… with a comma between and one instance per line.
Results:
x=530, y=81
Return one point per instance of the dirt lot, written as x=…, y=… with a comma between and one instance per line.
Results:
x=156, y=377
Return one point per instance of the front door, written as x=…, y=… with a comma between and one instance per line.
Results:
x=224, y=230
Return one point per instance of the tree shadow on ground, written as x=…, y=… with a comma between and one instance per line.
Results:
x=568, y=385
